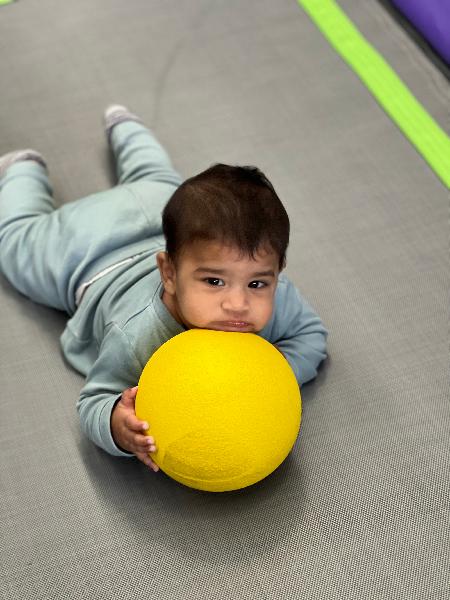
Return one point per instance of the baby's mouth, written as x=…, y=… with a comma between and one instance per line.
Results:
x=234, y=325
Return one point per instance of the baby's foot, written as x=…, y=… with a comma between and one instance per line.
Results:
x=18, y=155
x=115, y=114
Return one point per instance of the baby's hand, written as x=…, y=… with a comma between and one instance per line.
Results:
x=127, y=430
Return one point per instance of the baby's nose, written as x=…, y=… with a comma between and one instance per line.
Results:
x=236, y=302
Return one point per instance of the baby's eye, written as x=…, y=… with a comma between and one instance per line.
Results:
x=262, y=282
x=209, y=279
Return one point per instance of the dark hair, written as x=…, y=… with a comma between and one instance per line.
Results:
x=234, y=205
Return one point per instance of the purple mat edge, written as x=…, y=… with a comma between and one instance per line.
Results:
x=432, y=19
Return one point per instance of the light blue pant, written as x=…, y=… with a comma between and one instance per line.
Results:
x=46, y=252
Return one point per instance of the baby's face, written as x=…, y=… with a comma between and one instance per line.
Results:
x=214, y=288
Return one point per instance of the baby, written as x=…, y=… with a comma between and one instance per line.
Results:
x=146, y=260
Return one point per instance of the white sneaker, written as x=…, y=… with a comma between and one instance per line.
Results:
x=18, y=155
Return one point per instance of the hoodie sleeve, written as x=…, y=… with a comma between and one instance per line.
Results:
x=300, y=334
x=115, y=370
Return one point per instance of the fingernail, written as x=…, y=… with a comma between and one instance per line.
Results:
x=134, y=389
x=145, y=425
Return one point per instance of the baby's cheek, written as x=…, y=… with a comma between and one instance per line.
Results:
x=266, y=311
x=197, y=312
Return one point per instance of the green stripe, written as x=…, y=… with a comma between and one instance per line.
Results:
x=393, y=95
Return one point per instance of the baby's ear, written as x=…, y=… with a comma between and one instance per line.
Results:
x=161, y=261
x=166, y=270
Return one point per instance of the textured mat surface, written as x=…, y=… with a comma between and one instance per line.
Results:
x=384, y=84
x=360, y=509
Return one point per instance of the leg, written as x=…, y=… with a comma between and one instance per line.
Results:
x=138, y=154
x=28, y=233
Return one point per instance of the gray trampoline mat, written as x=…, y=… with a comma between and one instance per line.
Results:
x=360, y=508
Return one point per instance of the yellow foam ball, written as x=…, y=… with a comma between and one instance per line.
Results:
x=224, y=408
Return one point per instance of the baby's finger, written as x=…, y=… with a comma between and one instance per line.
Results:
x=145, y=458
x=132, y=422
x=143, y=443
x=129, y=396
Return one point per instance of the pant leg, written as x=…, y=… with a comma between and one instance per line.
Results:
x=29, y=233
x=140, y=156
x=46, y=253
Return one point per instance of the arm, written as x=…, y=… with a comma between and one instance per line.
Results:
x=301, y=335
x=115, y=370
